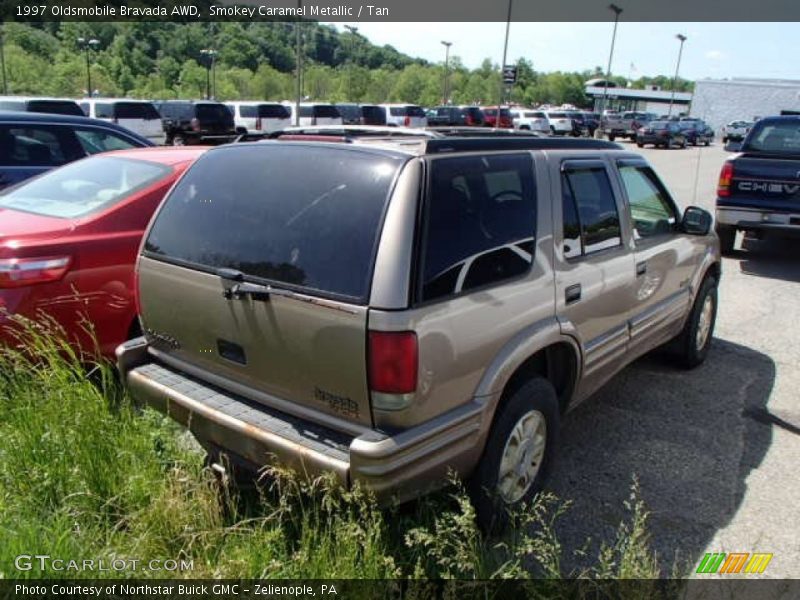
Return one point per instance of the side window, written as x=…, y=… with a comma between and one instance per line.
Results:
x=479, y=226
x=651, y=208
x=248, y=112
x=97, y=140
x=34, y=146
x=587, y=195
x=85, y=108
x=104, y=110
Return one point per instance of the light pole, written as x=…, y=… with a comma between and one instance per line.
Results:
x=210, y=66
x=503, y=64
x=86, y=45
x=298, y=64
x=446, y=71
x=353, y=31
x=617, y=12
x=682, y=38
x=3, y=62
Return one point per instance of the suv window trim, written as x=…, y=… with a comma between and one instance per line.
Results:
x=421, y=229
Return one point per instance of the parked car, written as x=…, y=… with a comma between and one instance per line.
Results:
x=259, y=117
x=530, y=120
x=70, y=240
x=188, y=122
x=56, y=106
x=560, y=122
x=139, y=116
x=32, y=143
x=480, y=287
x=759, y=188
x=696, y=132
x=735, y=131
x=404, y=115
x=315, y=113
x=490, y=117
x=579, y=126
x=456, y=116
x=592, y=121
x=361, y=114
x=625, y=125
x=661, y=133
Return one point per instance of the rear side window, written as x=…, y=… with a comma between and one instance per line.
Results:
x=273, y=111
x=214, y=112
x=248, y=112
x=83, y=187
x=589, y=209
x=135, y=110
x=326, y=111
x=104, y=110
x=12, y=105
x=58, y=107
x=480, y=222
x=246, y=208
x=373, y=113
x=37, y=146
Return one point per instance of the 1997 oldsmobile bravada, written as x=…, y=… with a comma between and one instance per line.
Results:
x=392, y=309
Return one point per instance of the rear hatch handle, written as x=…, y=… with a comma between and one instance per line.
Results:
x=242, y=288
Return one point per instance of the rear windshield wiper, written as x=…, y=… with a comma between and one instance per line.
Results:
x=256, y=291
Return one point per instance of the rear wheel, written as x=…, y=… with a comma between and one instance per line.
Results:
x=727, y=238
x=178, y=139
x=640, y=144
x=518, y=455
x=611, y=137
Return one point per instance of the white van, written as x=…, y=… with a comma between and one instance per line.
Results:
x=315, y=113
x=259, y=117
x=58, y=106
x=404, y=115
x=140, y=116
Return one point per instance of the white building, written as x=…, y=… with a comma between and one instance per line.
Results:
x=720, y=101
x=652, y=100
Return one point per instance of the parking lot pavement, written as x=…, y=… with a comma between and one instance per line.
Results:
x=717, y=449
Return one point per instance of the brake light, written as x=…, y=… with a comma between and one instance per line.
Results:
x=725, y=178
x=195, y=124
x=468, y=120
x=407, y=121
x=392, y=361
x=19, y=272
x=258, y=122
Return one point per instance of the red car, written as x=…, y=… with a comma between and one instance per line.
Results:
x=69, y=240
x=490, y=117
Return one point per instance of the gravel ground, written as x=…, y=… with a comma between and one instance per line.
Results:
x=716, y=450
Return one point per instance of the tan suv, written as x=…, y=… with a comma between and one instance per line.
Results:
x=393, y=309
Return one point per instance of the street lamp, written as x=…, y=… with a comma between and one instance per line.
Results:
x=353, y=31
x=617, y=12
x=298, y=64
x=210, y=66
x=503, y=64
x=682, y=38
x=86, y=45
x=446, y=70
x=3, y=62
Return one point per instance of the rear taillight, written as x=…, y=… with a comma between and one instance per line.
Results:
x=19, y=272
x=725, y=178
x=195, y=124
x=469, y=120
x=258, y=123
x=407, y=121
x=392, y=362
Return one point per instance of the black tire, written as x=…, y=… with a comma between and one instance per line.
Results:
x=538, y=395
x=706, y=143
x=727, y=239
x=688, y=350
x=724, y=140
x=611, y=137
x=178, y=140
x=640, y=144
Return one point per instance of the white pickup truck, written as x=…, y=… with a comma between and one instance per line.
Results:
x=735, y=131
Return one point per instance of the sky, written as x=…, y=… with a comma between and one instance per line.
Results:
x=712, y=50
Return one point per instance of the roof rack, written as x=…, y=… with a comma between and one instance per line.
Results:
x=353, y=131
x=485, y=144
x=483, y=132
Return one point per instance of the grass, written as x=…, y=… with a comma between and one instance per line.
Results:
x=88, y=476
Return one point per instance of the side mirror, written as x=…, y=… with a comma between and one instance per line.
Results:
x=696, y=221
x=733, y=146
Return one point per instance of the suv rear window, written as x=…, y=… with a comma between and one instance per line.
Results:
x=58, y=107
x=373, y=113
x=83, y=187
x=326, y=111
x=247, y=208
x=480, y=221
x=774, y=137
x=214, y=112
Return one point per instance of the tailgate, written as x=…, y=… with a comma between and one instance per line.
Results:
x=309, y=353
x=766, y=182
x=241, y=221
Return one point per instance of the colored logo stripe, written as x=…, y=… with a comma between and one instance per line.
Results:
x=758, y=563
x=734, y=562
x=722, y=563
x=711, y=562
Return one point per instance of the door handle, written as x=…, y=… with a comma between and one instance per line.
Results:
x=572, y=293
x=641, y=268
